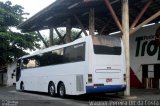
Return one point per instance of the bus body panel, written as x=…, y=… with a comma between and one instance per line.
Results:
x=75, y=75
x=40, y=81
x=37, y=79
x=107, y=72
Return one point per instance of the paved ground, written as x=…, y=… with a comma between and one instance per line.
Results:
x=10, y=97
x=146, y=94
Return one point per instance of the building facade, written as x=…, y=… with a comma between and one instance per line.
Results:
x=145, y=58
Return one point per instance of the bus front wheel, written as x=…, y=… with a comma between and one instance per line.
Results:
x=61, y=90
x=51, y=89
x=22, y=86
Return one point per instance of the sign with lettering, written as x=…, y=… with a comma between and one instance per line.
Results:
x=144, y=48
x=147, y=45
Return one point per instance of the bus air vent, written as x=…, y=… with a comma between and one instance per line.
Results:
x=79, y=83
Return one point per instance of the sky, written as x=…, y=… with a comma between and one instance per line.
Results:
x=31, y=6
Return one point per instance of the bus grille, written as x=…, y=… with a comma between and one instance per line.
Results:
x=79, y=83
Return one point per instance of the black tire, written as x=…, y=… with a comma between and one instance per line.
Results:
x=51, y=89
x=61, y=90
x=22, y=86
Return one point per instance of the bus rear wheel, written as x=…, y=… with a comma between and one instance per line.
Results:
x=51, y=89
x=61, y=90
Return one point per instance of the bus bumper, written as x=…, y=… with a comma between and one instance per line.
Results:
x=105, y=88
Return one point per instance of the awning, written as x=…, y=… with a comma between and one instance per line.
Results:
x=55, y=15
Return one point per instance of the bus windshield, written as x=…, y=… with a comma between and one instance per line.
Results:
x=109, y=45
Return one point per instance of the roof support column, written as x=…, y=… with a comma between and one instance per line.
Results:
x=125, y=38
x=68, y=31
x=51, y=37
x=91, y=22
x=109, y=6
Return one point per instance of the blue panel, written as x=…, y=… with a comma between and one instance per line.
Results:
x=105, y=88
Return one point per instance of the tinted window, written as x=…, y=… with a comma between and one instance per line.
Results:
x=74, y=53
x=98, y=49
x=108, y=45
x=55, y=57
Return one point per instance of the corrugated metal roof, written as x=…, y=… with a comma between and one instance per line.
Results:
x=56, y=14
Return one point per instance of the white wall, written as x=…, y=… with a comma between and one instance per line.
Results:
x=10, y=70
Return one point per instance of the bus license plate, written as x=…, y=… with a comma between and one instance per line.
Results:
x=109, y=80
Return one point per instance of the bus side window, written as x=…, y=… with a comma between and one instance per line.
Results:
x=57, y=57
x=31, y=62
x=75, y=53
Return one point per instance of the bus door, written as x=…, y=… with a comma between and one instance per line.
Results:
x=18, y=70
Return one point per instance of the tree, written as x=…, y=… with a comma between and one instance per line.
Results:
x=13, y=44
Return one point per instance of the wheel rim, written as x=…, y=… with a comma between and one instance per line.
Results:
x=61, y=91
x=51, y=90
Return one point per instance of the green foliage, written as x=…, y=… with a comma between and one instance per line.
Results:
x=10, y=15
x=14, y=44
x=74, y=34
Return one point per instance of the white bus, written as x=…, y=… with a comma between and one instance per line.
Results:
x=93, y=64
